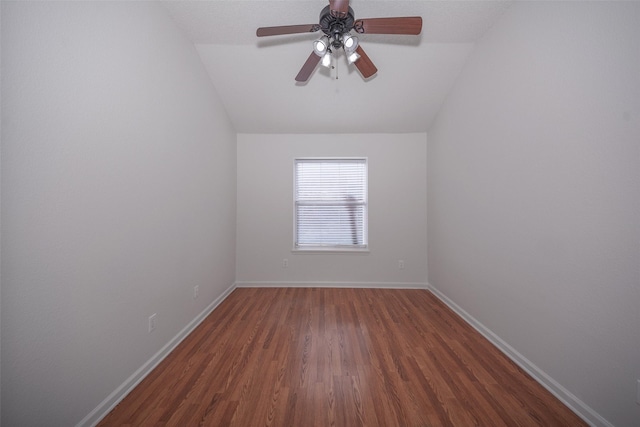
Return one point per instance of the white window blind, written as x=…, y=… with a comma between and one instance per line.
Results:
x=330, y=203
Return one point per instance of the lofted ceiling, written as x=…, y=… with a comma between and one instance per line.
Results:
x=255, y=76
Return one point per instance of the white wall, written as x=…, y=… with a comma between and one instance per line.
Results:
x=397, y=211
x=0, y=226
x=118, y=197
x=534, y=201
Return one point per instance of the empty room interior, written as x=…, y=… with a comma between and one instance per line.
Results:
x=153, y=166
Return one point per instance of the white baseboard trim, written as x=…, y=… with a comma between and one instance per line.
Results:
x=101, y=411
x=565, y=396
x=380, y=285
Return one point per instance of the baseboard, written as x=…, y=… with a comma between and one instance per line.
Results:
x=95, y=416
x=381, y=285
x=565, y=396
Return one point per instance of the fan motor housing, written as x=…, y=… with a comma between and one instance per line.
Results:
x=334, y=26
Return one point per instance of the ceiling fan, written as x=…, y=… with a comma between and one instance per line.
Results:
x=336, y=22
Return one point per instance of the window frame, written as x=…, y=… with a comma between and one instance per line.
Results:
x=329, y=249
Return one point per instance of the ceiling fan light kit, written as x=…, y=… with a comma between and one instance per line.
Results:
x=336, y=22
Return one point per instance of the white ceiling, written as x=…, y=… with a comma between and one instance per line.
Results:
x=255, y=76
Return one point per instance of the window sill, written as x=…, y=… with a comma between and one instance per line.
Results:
x=329, y=251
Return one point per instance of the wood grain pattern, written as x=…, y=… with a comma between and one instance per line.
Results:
x=408, y=25
x=287, y=29
x=308, y=67
x=337, y=357
x=364, y=64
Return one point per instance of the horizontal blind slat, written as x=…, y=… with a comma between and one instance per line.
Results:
x=330, y=198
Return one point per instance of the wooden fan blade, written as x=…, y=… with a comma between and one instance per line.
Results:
x=287, y=29
x=409, y=25
x=364, y=64
x=308, y=67
x=339, y=8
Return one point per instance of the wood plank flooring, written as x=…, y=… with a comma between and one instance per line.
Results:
x=337, y=357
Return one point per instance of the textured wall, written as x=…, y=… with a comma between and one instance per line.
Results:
x=534, y=198
x=397, y=210
x=118, y=197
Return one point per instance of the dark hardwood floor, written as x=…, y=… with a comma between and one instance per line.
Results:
x=337, y=357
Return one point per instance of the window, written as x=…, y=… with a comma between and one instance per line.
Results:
x=330, y=197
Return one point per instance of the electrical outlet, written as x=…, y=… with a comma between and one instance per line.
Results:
x=196, y=289
x=152, y=322
x=285, y=263
x=401, y=264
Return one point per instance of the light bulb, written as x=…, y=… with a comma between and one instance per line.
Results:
x=321, y=45
x=326, y=60
x=349, y=42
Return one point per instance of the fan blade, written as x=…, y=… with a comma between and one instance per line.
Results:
x=339, y=8
x=308, y=67
x=287, y=29
x=410, y=25
x=364, y=64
